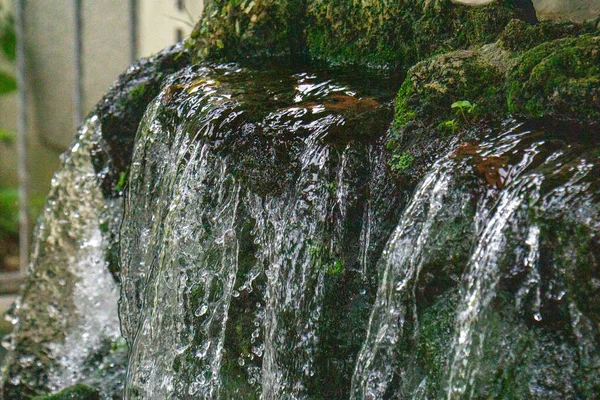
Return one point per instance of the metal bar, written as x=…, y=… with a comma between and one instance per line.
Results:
x=78, y=64
x=24, y=225
x=133, y=25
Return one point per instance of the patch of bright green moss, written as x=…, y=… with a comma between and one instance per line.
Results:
x=559, y=78
x=401, y=162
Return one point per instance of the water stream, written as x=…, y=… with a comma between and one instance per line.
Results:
x=266, y=252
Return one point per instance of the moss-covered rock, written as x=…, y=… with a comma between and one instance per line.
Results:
x=399, y=32
x=528, y=72
x=246, y=28
x=394, y=33
x=121, y=109
x=75, y=392
x=434, y=85
x=558, y=78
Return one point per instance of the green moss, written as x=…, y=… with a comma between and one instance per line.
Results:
x=401, y=162
x=433, y=85
x=121, y=182
x=324, y=260
x=436, y=329
x=560, y=78
x=244, y=28
x=76, y=392
x=398, y=33
x=394, y=33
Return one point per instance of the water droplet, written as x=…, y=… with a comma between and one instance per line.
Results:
x=201, y=310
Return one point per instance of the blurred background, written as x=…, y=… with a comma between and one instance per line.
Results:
x=71, y=52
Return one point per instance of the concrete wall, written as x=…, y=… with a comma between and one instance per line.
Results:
x=161, y=19
x=106, y=54
x=49, y=35
x=567, y=10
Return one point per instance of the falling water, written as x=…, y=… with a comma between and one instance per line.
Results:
x=400, y=266
x=267, y=252
x=67, y=315
x=202, y=236
x=506, y=230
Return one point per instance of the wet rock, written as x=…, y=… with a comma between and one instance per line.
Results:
x=121, y=110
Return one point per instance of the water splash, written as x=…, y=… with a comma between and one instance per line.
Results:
x=67, y=313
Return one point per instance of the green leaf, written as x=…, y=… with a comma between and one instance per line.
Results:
x=8, y=84
x=462, y=104
x=9, y=209
x=7, y=137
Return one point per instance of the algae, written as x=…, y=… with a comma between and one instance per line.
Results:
x=558, y=78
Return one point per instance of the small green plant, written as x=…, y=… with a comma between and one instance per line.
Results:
x=465, y=108
x=448, y=126
x=401, y=162
x=335, y=268
x=9, y=207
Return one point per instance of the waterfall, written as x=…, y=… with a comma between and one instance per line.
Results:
x=269, y=251
x=201, y=238
x=504, y=232
x=67, y=314
x=433, y=203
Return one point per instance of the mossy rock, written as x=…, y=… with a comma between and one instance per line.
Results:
x=399, y=32
x=558, y=78
x=245, y=28
x=395, y=33
x=433, y=85
x=122, y=108
x=519, y=36
x=75, y=392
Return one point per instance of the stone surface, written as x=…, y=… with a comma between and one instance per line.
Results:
x=572, y=10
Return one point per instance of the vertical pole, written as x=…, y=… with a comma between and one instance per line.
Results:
x=133, y=29
x=22, y=139
x=78, y=64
